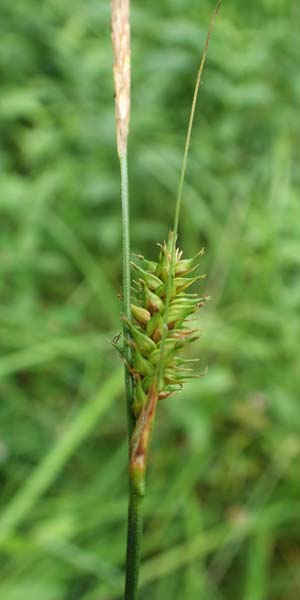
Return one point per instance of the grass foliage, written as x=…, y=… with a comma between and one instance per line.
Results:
x=222, y=514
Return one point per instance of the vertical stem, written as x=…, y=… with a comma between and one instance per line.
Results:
x=134, y=538
x=121, y=46
x=126, y=286
x=135, y=509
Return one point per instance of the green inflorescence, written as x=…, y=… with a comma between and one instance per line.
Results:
x=149, y=313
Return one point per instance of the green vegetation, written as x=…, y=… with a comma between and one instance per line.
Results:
x=222, y=518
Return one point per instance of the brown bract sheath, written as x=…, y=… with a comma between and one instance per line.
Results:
x=140, y=441
x=121, y=44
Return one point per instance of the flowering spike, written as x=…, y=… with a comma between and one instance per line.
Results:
x=148, y=311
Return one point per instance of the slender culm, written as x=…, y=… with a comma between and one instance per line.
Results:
x=120, y=26
x=121, y=47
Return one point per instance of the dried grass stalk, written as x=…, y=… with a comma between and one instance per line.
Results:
x=121, y=46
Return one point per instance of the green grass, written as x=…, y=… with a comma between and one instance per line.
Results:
x=221, y=516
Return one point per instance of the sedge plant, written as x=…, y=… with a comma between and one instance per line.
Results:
x=157, y=304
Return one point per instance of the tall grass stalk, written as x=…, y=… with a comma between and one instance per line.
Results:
x=126, y=286
x=141, y=418
x=121, y=46
x=135, y=507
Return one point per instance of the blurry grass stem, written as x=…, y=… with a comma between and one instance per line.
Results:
x=53, y=463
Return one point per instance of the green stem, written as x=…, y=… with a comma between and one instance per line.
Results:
x=135, y=509
x=126, y=287
x=134, y=539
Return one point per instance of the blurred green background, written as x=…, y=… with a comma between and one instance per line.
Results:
x=223, y=504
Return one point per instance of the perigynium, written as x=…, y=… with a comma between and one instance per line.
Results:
x=156, y=312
